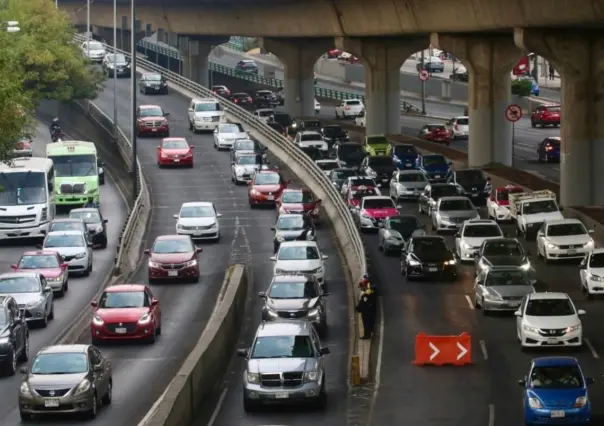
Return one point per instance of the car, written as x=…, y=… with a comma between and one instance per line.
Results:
x=226, y=134
x=244, y=165
x=153, y=83
x=248, y=146
x=432, y=193
x=472, y=235
x=361, y=119
x=74, y=248
x=284, y=119
x=93, y=50
x=221, y=91
x=564, y=239
x=501, y=289
x=404, y=156
x=358, y=181
x=14, y=337
x=333, y=53
x=242, y=99
x=436, y=167
x=311, y=139
x=395, y=230
x=46, y=389
x=450, y=213
x=277, y=127
x=173, y=257
x=339, y=176
x=591, y=273
x=461, y=74
x=502, y=252
x=33, y=295
x=459, y=127
x=116, y=65
x=548, y=150
x=327, y=166
x=377, y=145
x=379, y=167
x=292, y=227
x=198, y=220
x=549, y=319
x=350, y=154
x=266, y=187
x=247, y=65
x=295, y=296
x=50, y=265
x=407, y=184
x=265, y=99
x=349, y=108
x=70, y=224
x=472, y=183
x=284, y=355
x=204, y=114
x=355, y=195
x=96, y=224
x=435, y=133
x=428, y=256
x=498, y=202
x=431, y=64
x=317, y=106
x=125, y=312
x=300, y=201
x=175, y=152
x=372, y=211
x=264, y=114
x=151, y=120
x=302, y=257
x=23, y=148
x=333, y=133
x=550, y=381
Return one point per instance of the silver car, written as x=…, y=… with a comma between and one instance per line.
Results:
x=451, y=212
x=70, y=224
x=244, y=165
x=407, y=184
x=32, y=293
x=284, y=364
x=501, y=289
x=74, y=249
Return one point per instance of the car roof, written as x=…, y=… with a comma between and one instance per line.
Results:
x=546, y=361
x=207, y=100
x=172, y=237
x=563, y=222
x=267, y=171
x=173, y=139
x=309, y=132
x=149, y=106
x=151, y=73
x=197, y=204
x=64, y=349
x=553, y=138
x=597, y=251
x=282, y=215
x=502, y=239
x=351, y=144
x=125, y=288
x=548, y=295
x=379, y=157
x=296, y=190
x=377, y=197
x=20, y=274
x=39, y=253
x=435, y=124
x=462, y=117
x=298, y=244
x=292, y=278
x=66, y=232
x=479, y=222
x=284, y=328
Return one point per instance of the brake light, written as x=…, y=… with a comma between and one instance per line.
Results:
x=236, y=101
x=347, y=108
x=249, y=99
x=548, y=148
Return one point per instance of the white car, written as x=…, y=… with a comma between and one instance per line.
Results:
x=93, y=50
x=264, y=114
x=548, y=319
x=302, y=257
x=459, y=127
x=317, y=106
x=311, y=139
x=328, y=165
x=74, y=249
x=226, y=134
x=199, y=220
x=244, y=166
x=360, y=120
x=204, y=114
x=349, y=108
x=472, y=234
x=591, y=273
x=564, y=239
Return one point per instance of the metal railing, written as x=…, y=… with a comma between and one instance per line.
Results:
x=286, y=152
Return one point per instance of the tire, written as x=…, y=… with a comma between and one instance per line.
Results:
x=51, y=314
x=533, y=124
x=25, y=417
x=109, y=395
x=9, y=366
x=92, y=413
x=191, y=126
x=485, y=312
x=249, y=406
x=24, y=355
x=158, y=329
x=61, y=293
x=43, y=322
x=321, y=402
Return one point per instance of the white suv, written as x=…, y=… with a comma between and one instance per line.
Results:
x=591, y=273
x=564, y=239
x=204, y=114
x=459, y=127
x=349, y=108
x=472, y=234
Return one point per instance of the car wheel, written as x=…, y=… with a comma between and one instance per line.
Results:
x=158, y=329
x=109, y=395
x=321, y=402
x=24, y=355
x=9, y=366
x=43, y=322
x=94, y=409
x=152, y=337
x=25, y=417
x=249, y=406
x=191, y=126
x=61, y=293
x=476, y=304
x=66, y=286
x=485, y=311
x=51, y=314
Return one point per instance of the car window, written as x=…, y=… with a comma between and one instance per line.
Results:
x=549, y=307
x=412, y=177
x=123, y=299
x=481, y=231
x=267, y=179
x=208, y=106
x=536, y=207
x=456, y=205
x=41, y=261
x=282, y=347
x=404, y=224
x=298, y=253
x=60, y=363
x=596, y=260
x=463, y=121
x=311, y=137
x=434, y=160
x=249, y=160
x=431, y=246
x=297, y=197
x=502, y=248
x=87, y=216
x=328, y=165
x=230, y=128
x=566, y=229
x=290, y=223
x=175, y=144
x=197, y=211
x=294, y=290
x=151, y=112
x=378, y=203
x=19, y=285
x=376, y=140
x=67, y=226
x=503, y=278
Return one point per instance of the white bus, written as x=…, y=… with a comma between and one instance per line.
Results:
x=27, y=197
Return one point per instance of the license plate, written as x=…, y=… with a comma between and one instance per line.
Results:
x=154, y=130
x=270, y=197
x=432, y=269
x=408, y=164
x=120, y=330
x=415, y=193
x=384, y=180
x=55, y=403
x=474, y=195
x=172, y=273
x=197, y=234
x=558, y=414
x=437, y=176
x=281, y=395
x=553, y=341
x=176, y=160
x=572, y=252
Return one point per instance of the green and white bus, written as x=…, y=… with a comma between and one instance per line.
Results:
x=76, y=172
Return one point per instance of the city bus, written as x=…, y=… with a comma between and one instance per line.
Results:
x=27, y=197
x=76, y=172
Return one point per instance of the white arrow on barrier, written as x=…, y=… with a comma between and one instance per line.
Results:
x=462, y=351
x=435, y=351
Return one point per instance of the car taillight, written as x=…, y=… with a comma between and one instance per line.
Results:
x=236, y=101
x=249, y=99
x=347, y=108
x=548, y=148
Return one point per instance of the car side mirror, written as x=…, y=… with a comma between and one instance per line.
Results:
x=249, y=183
x=94, y=304
x=166, y=114
x=591, y=231
x=561, y=208
x=262, y=294
x=518, y=313
x=147, y=251
x=242, y=353
x=273, y=258
x=90, y=245
x=215, y=130
x=190, y=109
x=218, y=214
x=14, y=266
x=581, y=312
x=47, y=289
x=97, y=368
x=175, y=216
x=324, y=257
x=273, y=229
x=589, y=381
x=324, y=351
x=23, y=370
x=105, y=220
x=154, y=302
x=522, y=383
x=198, y=249
x=488, y=179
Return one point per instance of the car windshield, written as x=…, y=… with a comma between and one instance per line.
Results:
x=536, y=207
x=328, y=165
x=124, y=299
x=344, y=174
x=566, y=229
x=39, y=261
x=153, y=77
x=231, y=128
x=430, y=246
x=304, y=197
x=503, y=194
x=151, y=112
x=311, y=137
x=502, y=248
x=470, y=176
x=19, y=285
x=333, y=131
x=377, y=140
x=119, y=58
x=463, y=121
x=404, y=150
x=208, y=106
x=434, y=160
x=597, y=260
x=290, y=223
x=178, y=144
x=481, y=231
x=172, y=246
x=557, y=377
x=353, y=103
x=197, y=211
x=553, y=109
x=412, y=177
x=267, y=179
x=60, y=363
x=380, y=161
x=501, y=278
x=456, y=205
x=245, y=146
x=244, y=160
x=298, y=290
x=362, y=191
x=378, y=203
x=298, y=253
x=282, y=347
x=362, y=182
x=405, y=225
x=74, y=165
x=350, y=150
x=66, y=226
x=95, y=46
x=265, y=113
x=241, y=95
x=64, y=240
x=22, y=188
x=443, y=191
x=87, y=217
x=549, y=307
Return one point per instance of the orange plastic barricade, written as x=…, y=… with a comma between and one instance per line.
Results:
x=443, y=350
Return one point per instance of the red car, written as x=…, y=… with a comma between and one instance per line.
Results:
x=301, y=201
x=435, y=133
x=173, y=257
x=221, y=91
x=546, y=115
x=174, y=152
x=355, y=194
x=265, y=187
x=151, y=121
x=48, y=263
x=333, y=53
x=23, y=148
x=125, y=312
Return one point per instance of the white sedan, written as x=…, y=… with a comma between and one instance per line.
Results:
x=302, y=257
x=317, y=106
x=471, y=236
x=199, y=220
x=564, y=239
x=226, y=134
x=591, y=273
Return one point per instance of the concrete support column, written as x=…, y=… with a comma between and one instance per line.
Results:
x=195, y=52
x=185, y=56
x=489, y=60
x=383, y=58
x=578, y=58
x=298, y=57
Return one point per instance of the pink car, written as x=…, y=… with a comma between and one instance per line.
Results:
x=373, y=210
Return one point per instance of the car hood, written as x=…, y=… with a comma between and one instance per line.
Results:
x=407, y=157
x=414, y=185
x=55, y=381
x=543, y=217
x=459, y=214
x=437, y=169
x=171, y=257
x=121, y=314
x=557, y=397
x=25, y=298
x=380, y=213
x=505, y=260
x=297, y=206
x=46, y=272
x=570, y=239
x=477, y=242
x=292, y=304
x=247, y=167
x=67, y=251
x=152, y=118
x=233, y=136
x=512, y=290
x=268, y=188
x=196, y=221
x=552, y=322
x=298, y=265
x=289, y=235
x=280, y=365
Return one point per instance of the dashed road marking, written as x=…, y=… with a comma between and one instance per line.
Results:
x=591, y=348
x=483, y=349
x=470, y=303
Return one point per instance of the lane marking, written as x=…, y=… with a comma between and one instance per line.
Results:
x=216, y=411
x=483, y=349
x=470, y=304
x=378, y=367
x=491, y=415
x=591, y=348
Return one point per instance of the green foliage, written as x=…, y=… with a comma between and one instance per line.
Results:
x=522, y=87
x=250, y=43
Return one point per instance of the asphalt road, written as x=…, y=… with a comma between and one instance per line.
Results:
x=142, y=372
x=81, y=289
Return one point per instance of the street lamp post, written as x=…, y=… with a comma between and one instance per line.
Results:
x=115, y=68
x=88, y=29
x=133, y=97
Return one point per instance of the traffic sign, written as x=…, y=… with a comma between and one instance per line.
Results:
x=424, y=75
x=513, y=113
x=443, y=350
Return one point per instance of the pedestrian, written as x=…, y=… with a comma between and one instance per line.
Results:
x=367, y=307
x=551, y=71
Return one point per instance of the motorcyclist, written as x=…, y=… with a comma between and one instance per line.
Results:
x=90, y=203
x=55, y=129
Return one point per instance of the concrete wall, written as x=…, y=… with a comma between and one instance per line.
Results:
x=335, y=69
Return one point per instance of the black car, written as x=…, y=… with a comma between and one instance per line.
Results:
x=14, y=336
x=97, y=226
x=301, y=124
x=247, y=145
x=407, y=225
x=153, y=83
x=339, y=176
x=117, y=65
x=507, y=252
x=472, y=183
x=291, y=227
x=276, y=126
x=247, y=66
x=428, y=256
x=283, y=118
x=379, y=167
x=350, y=153
x=432, y=193
x=265, y=99
x=242, y=99
x=334, y=133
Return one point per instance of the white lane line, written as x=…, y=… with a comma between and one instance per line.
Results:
x=483, y=349
x=218, y=407
x=378, y=368
x=591, y=348
x=491, y=415
x=470, y=304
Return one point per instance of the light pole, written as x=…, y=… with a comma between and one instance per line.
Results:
x=133, y=97
x=423, y=86
x=88, y=29
x=115, y=68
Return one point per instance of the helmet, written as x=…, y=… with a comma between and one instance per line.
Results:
x=366, y=276
x=55, y=120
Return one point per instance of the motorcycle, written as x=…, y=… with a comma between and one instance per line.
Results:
x=56, y=135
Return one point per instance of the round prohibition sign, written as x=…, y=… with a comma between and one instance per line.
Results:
x=424, y=75
x=513, y=113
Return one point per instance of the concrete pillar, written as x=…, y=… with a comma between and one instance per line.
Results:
x=383, y=58
x=195, y=52
x=298, y=57
x=446, y=90
x=185, y=56
x=489, y=60
x=578, y=57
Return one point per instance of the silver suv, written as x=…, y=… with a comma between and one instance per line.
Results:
x=284, y=365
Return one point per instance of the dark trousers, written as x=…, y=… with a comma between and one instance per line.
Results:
x=368, y=319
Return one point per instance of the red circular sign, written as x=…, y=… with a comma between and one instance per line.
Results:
x=513, y=113
x=424, y=75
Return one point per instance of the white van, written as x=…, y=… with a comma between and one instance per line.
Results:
x=204, y=114
x=349, y=108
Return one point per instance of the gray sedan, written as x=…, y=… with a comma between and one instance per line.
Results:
x=501, y=289
x=451, y=212
x=32, y=293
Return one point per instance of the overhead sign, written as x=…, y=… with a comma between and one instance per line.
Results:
x=424, y=75
x=513, y=113
x=443, y=350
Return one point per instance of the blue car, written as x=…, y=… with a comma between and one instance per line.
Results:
x=435, y=166
x=404, y=156
x=549, y=150
x=555, y=393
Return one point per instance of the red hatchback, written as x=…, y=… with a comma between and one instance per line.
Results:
x=125, y=312
x=151, y=121
x=435, y=133
x=300, y=201
x=265, y=187
x=546, y=115
x=48, y=263
x=173, y=257
x=174, y=152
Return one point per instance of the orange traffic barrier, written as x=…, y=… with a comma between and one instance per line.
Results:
x=443, y=350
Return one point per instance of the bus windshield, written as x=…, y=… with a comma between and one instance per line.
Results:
x=75, y=165
x=22, y=188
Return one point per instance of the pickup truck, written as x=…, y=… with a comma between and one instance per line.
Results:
x=531, y=209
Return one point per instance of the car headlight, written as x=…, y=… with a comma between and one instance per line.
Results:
x=24, y=389
x=366, y=216
x=80, y=255
x=492, y=297
x=311, y=376
x=83, y=387
x=580, y=401
x=153, y=264
x=534, y=403
x=414, y=263
x=551, y=246
x=573, y=328
x=271, y=312
x=466, y=245
x=55, y=279
x=280, y=238
x=589, y=244
x=529, y=328
x=4, y=341
x=317, y=270
x=164, y=122
x=98, y=229
x=253, y=378
x=190, y=263
x=97, y=320
x=451, y=262
x=595, y=278
x=313, y=312
x=145, y=319
x=280, y=271
x=526, y=266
